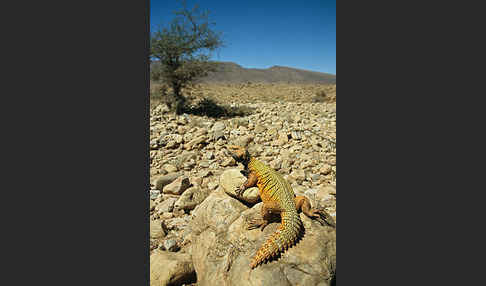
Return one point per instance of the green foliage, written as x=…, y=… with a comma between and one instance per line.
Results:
x=183, y=49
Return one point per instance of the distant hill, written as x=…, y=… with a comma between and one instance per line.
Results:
x=233, y=73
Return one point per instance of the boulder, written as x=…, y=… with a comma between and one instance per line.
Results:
x=191, y=198
x=231, y=180
x=161, y=181
x=178, y=186
x=222, y=248
x=168, y=268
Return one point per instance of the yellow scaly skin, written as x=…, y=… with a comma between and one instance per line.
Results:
x=278, y=198
x=276, y=192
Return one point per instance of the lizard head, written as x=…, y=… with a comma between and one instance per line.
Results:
x=240, y=154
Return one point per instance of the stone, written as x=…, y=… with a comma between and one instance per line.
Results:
x=326, y=169
x=212, y=185
x=166, y=206
x=168, y=268
x=176, y=223
x=259, y=128
x=221, y=222
x=170, y=168
x=161, y=181
x=228, y=162
x=218, y=126
x=298, y=175
x=154, y=194
x=244, y=140
x=198, y=140
x=191, y=198
x=178, y=186
x=204, y=164
x=231, y=179
x=170, y=245
x=217, y=135
x=206, y=173
x=297, y=135
x=315, y=177
x=156, y=229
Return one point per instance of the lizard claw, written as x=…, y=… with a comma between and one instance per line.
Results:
x=257, y=223
x=240, y=190
x=327, y=218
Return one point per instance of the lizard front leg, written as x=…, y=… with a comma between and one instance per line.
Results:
x=250, y=182
x=303, y=203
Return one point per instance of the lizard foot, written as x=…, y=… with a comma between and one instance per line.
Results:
x=257, y=223
x=239, y=192
x=323, y=217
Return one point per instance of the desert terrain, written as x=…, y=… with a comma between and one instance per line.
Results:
x=197, y=230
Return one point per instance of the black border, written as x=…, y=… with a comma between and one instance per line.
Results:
x=75, y=120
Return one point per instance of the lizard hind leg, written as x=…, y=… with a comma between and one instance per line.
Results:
x=303, y=203
x=268, y=215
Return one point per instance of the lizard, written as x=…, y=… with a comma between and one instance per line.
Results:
x=278, y=197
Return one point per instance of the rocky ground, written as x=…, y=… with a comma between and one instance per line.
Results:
x=197, y=230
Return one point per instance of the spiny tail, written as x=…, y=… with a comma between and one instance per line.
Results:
x=285, y=236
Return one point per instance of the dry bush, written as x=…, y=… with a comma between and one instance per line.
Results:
x=209, y=107
x=322, y=96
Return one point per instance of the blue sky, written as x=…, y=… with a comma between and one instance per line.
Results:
x=261, y=34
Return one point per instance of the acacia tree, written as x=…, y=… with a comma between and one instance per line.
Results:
x=183, y=50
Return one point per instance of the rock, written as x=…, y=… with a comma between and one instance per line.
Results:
x=259, y=128
x=170, y=245
x=191, y=198
x=189, y=165
x=331, y=160
x=154, y=144
x=178, y=186
x=217, y=230
x=196, y=181
x=198, y=140
x=170, y=168
x=315, y=177
x=325, y=196
x=244, y=140
x=218, y=126
x=212, y=185
x=272, y=131
x=204, y=164
x=154, y=243
x=208, y=155
x=298, y=175
x=206, y=173
x=166, y=215
x=217, y=135
x=297, y=135
x=276, y=164
x=228, y=162
x=154, y=194
x=167, y=268
x=152, y=205
x=326, y=169
x=230, y=180
x=166, y=206
x=156, y=229
x=161, y=108
x=176, y=223
x=161, y=181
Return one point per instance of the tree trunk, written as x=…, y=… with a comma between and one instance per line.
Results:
x=179, y=98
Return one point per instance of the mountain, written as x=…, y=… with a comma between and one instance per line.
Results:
x=233, y=73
